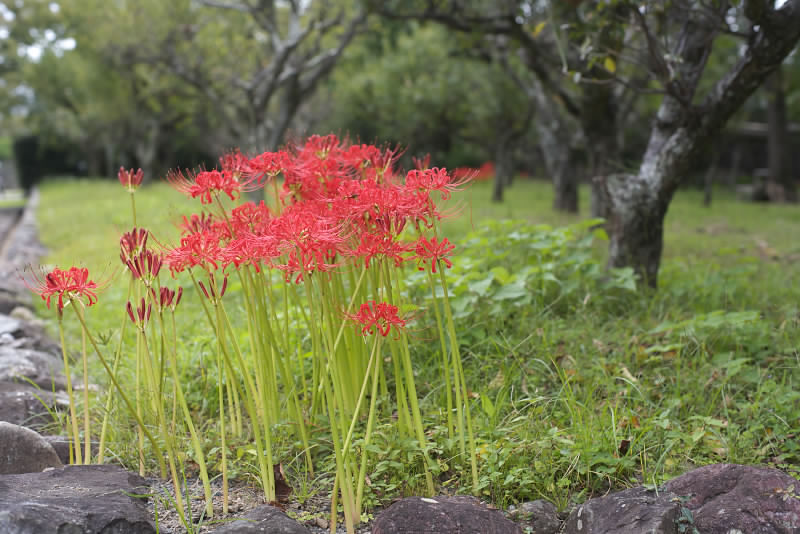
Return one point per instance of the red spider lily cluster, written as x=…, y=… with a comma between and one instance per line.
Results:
x=339, y=202
x=67, y=285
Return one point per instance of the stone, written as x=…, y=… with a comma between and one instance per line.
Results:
x=442, y=515
x=24, y=365
x=9, y=325
x=61, y=445
x=265, y=519
x=726, y=498
x=540, y=517
x=26, y=405
x=76, y=499
x=24, y=451
x=632, y=511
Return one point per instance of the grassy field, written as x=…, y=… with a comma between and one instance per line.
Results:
x=579, y=384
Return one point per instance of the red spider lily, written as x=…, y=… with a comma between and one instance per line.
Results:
x=422, y=163
x=303, y=264
x=129, y=179
x=237, y=164
x=167, y=298
x=197, y=223
x=381, y=315
x=250, y=217
x=142, y=313
x=145, y=266
x=253, y=249
x=132, y=243
x=268, y=165
x=376, y=244
x=433, y=251
x=209, y=293
x=69, y=285
x=208, y=184
x=201, y=249
x=435, y=179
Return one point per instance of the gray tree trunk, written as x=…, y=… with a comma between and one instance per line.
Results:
x=778, y=137
x=504, y=167
x=637, y=203
x=556, y=144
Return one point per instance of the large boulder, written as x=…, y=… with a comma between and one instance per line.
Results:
x=265, y=519
x=444, y=515
x=726, y=498
x=538, y=517
x=91, y=499
x=23, y=404
x=24, y=451
x=23, y=365
x=633, y=511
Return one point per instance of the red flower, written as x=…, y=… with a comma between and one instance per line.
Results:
x=132, y=243
x=72, y=284
x=435, y=179
x=433, y=251
x=377, y=244
x=145, y=266
x=381, y=315
x=196, y=249
x=142, y=313
x=266, y=166
x=208, y=184
x=129, y=179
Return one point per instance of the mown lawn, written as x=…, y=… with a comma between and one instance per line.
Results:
x=578, y=383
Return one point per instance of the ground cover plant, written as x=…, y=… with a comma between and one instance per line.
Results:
x=576, y=382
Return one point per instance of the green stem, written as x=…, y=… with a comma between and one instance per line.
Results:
x=75, y=449
x=121, y=392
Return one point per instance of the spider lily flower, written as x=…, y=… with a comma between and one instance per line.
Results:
x=381, y=316
x=70, y=285
x=132, y=243
x=208, y=184
x=142, y=313
x=432, y=251
x=129, y=179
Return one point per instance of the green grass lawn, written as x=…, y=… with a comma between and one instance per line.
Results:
x=582, y=387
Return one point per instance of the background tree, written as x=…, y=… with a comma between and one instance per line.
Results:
x=675, y=40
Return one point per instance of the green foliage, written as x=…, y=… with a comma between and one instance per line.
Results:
x=424, y=91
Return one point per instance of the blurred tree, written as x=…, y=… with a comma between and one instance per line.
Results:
x=597, y=50
x=255, y=63
x=432, y=91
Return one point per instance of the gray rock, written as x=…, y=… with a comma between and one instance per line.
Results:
x=9, y=325
x=24, y=365
x=61, y=445
x=443, y=515
x=24, y=451
x=540, y=517
x=23, y=404
x=633, y=511
x=86, y=499
x=265, y=519
x=729, y=498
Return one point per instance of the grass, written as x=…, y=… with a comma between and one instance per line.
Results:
x=578, y=385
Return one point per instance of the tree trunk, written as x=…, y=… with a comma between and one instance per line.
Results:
x=558, y=152
x=708, y=178
x=636, y=210
x=637, y=204
x=778, y=136
x=504, y=168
